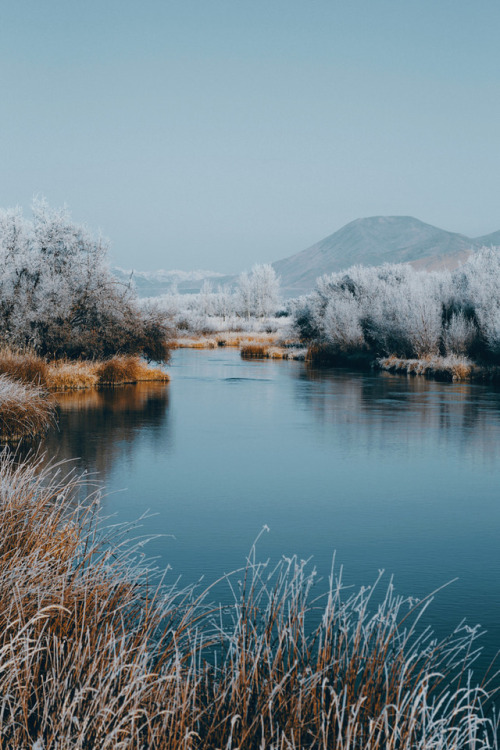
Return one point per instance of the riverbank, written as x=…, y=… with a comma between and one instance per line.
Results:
x=94, y=652
x=260, y=345
x=451, y=368
x=27, y=382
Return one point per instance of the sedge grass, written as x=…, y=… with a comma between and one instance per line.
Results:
x=95, y=655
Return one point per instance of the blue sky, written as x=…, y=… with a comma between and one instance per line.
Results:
x=220, y=133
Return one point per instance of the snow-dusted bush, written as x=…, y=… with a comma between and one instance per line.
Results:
x=57, y=293
x=395, y=310
x=403, y=312
x=459, y=334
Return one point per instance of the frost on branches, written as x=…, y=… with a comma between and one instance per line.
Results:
x=58, y=296
x=395, y=310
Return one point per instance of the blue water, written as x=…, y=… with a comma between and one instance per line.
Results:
x=389, y=472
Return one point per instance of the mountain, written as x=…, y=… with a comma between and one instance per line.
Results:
x=377, y=240
x=156, y=283
x=370, y=242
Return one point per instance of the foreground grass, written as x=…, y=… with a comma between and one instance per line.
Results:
x=94, y=654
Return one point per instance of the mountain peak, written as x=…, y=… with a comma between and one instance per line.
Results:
x=372, y=241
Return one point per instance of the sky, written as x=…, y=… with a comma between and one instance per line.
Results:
x=221, y=133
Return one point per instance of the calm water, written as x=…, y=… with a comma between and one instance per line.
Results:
x=389, y=472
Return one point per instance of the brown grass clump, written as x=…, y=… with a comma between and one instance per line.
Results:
x=254, y=351
x=93, y=655
x=27, y=367
x=450, y=368
x=121, y=370
x=25, y=410
x=64, y=375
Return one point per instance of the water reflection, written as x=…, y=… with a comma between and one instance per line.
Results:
x=96, y=427
x=374, y=406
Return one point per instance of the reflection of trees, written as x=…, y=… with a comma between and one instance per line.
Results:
x=379, y=406
x=98, y=426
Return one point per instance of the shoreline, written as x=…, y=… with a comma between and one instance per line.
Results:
x=29, y=384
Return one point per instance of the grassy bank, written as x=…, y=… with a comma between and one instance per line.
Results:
x=27, y=380
x=231, y=339
x=94, y=654
x=451, y=368
x=64, y=374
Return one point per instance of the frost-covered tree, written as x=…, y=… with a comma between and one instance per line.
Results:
x=476, y=295
x=258, y=291
x=57, y=293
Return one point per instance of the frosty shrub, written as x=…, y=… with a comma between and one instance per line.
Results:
x=58, y=295
x=342, y=323
x=459, y=335
x=393, y=310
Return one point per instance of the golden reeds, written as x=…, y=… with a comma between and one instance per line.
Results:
x=121, y=370
x=24, y=366
x=63, y=374
x=95, y=655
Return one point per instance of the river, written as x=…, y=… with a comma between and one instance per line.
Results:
x=388, y=472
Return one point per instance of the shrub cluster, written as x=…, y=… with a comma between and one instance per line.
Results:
x=58, y=296
x=393, y=310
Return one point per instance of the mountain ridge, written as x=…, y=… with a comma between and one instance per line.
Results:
x=375, y=240
x=369, y=241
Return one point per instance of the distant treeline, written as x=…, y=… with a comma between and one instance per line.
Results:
x=58, y=296
x=250, y=303
x=395, y=310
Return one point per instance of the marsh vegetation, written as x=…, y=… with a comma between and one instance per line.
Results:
x=393, y=311
x=94, y=653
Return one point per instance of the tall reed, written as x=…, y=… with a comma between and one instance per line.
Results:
x=96, y=652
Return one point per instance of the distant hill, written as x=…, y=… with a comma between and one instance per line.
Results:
x=377, y=240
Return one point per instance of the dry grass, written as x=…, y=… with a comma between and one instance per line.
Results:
x=232, y=339
x=93, y=655
x=121, y=370
x=452, y=367
x=259, y=351
x=24, y=366
x=65, y=375
x=25, y=410
x=254, y=351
